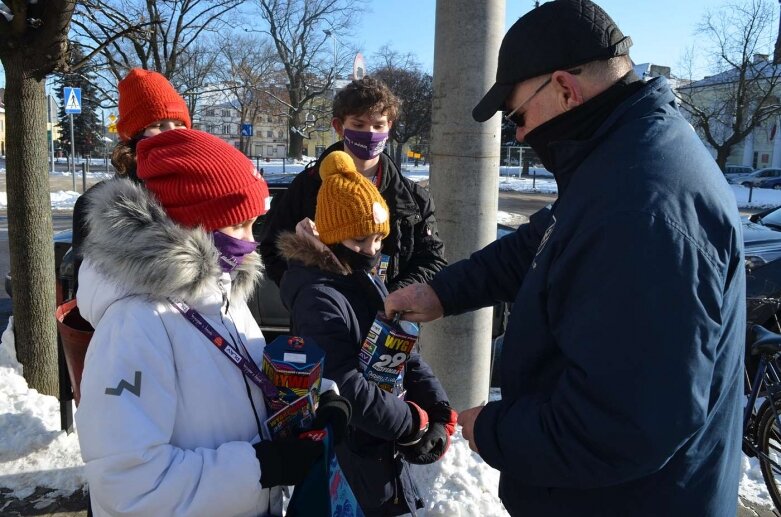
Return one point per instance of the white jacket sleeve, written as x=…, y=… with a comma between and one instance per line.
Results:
x=125, y=438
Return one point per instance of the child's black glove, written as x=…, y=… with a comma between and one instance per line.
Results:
x=419, y=425
x=435, y=442
x=335, y=411
x=286, y=461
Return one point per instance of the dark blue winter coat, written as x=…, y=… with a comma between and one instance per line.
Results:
x=623, y=357
x=337, y=310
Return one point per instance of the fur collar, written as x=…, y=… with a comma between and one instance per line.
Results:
x=133, y=241
x=303, y=250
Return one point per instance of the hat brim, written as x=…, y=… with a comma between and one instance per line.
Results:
x=492, y=101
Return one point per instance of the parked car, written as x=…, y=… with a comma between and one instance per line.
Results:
x=732, y=170
x=753, y=179
x=774, y=183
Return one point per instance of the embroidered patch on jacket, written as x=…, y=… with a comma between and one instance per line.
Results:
x=123, y=385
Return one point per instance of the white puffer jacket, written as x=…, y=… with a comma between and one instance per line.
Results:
x=177, y=440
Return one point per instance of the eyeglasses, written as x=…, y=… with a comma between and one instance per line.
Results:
x=518, y=118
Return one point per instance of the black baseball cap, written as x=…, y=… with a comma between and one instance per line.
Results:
x=557, y=35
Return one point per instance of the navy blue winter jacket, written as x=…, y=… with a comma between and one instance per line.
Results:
x=336, y=311
x=623, y=356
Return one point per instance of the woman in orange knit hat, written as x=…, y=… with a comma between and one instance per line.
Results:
x=333, y=295
x=148, y=105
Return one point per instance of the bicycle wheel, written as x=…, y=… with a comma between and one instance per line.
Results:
x=769, y=444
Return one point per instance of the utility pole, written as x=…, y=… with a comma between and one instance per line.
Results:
x=464, y=182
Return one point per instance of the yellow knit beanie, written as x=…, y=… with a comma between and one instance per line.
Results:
x=348, y=204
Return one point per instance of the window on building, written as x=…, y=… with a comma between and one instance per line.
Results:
x=280, y=134
x=211, y=113
x=269, y=134
x=270, y=119
x=226, y=113
x=226, y=129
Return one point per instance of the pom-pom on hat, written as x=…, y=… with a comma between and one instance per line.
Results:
x=201, y=180
x=348, y=204
x=145, y=97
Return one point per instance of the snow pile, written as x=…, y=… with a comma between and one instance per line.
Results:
x=33, y=450
x=752, y=485
x=62, y=200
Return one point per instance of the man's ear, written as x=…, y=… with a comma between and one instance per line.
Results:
x=568, y=89
x=390, y=125
x=338, y=126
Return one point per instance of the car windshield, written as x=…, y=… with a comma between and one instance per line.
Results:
x=771, y=219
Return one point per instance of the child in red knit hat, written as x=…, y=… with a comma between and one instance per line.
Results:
x=172, y=396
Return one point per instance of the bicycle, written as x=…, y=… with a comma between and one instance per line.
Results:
x=762, y=426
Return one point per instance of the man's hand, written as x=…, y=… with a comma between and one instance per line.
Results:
x=466, y=419
x=416, y=302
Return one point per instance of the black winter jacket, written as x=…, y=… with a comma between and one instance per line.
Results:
x=336, y=310
x=623, y=357
x=414, y=247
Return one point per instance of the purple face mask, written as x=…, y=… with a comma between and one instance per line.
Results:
x=364, y=144
x=232, y=250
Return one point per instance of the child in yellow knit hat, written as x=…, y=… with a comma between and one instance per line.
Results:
x=334, y=298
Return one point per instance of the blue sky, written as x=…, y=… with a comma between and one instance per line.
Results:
x=661, y=29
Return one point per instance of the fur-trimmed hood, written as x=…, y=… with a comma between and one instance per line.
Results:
x=303, y=250
x=137, y=249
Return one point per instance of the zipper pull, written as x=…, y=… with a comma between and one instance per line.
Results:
x=225, y=301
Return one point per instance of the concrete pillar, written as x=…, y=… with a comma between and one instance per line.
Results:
x=775, y=161
x=464, y=178
x=748, y=150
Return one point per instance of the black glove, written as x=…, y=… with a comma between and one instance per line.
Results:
x=286, y=461
x=419, y=425
x=430, y=448
x=335, y=411
x=433, y=445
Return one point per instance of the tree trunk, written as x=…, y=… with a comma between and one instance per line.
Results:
x=296, y=141
x=30, y=225
x=722, y=153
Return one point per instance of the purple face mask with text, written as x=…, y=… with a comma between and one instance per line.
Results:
x=364, y=144
x=232, y=250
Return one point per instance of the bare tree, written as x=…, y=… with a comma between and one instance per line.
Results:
x=247, y=66
x=173, y=40
x=414, y=88
x=33, y=43
x=742, y=93
x=300, y=30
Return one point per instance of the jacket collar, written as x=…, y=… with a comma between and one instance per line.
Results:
x=134, y=248
x=569, y=154
x=300, y=249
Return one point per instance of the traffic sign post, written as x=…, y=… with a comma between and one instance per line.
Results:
x=72, y=99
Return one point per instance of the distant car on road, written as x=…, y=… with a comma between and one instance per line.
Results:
x=755, y=178
x=732, y=170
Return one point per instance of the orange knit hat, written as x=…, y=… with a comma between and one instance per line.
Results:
x=145, y=97
x=348, y=204
x=201, y=180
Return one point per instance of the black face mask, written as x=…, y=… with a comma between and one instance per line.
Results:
x=354, y=260
x=582, y=122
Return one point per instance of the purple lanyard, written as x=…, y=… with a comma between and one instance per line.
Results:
x=249, y=368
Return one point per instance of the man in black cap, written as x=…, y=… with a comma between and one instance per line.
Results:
x=622, y=360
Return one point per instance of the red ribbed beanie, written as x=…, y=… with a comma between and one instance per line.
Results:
x=146, y=97
x=201, y=180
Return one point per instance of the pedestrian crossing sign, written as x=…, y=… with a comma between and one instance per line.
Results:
x=72, y=98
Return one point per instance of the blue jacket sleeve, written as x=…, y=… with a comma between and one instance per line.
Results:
x=423, y=387
x=323, y=314
x=493, y=274
x=621, y=322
